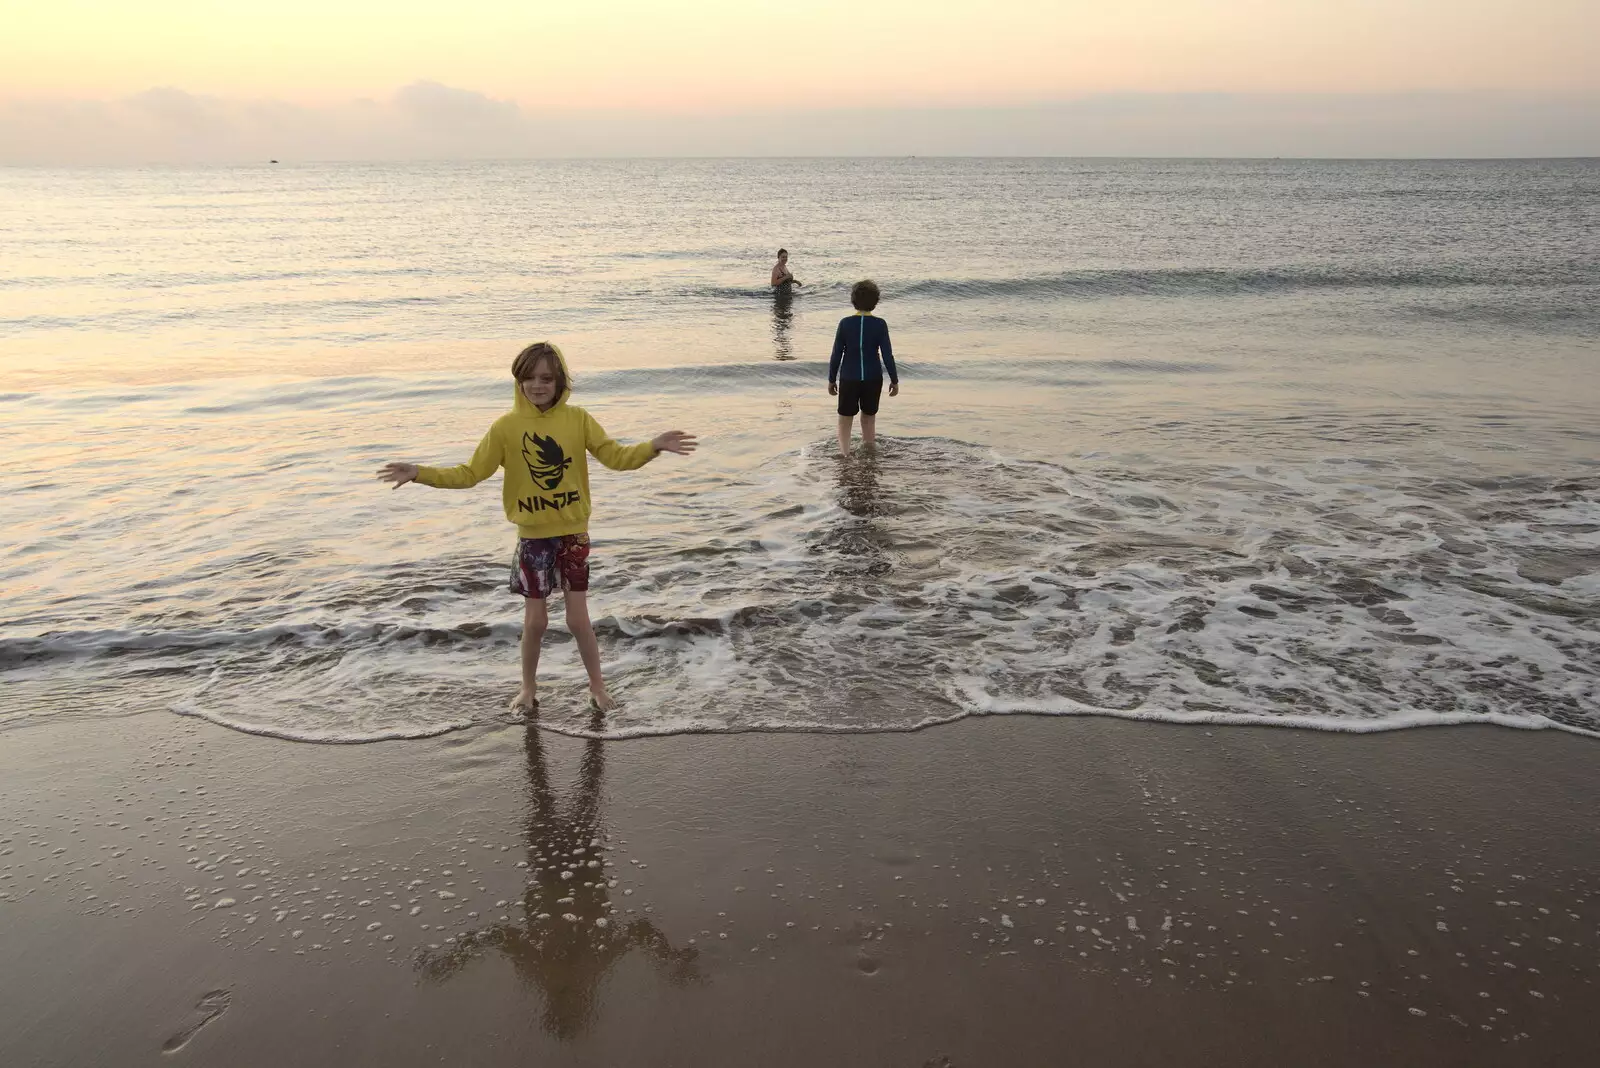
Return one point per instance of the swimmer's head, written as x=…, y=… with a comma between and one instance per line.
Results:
x=864, y=295
x=783, y=255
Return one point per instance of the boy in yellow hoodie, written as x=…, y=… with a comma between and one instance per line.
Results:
x=541, y=442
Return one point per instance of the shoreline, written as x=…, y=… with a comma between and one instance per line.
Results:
x=1246, y=896
x=1409, y=721
x=568, y=728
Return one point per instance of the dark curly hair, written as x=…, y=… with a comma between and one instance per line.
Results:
x=864, y=295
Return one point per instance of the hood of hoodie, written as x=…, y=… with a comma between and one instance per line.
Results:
x=521, y=405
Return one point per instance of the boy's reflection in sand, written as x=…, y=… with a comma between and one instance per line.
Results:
x=782, y=321
x=862, y=541
x=568, y=938
x=858, y=485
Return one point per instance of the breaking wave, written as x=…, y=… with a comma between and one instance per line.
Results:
x=1206, y=281
x=941, y=580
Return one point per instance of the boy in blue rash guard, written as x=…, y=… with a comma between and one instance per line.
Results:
x=854, y=373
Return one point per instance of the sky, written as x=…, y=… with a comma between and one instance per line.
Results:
x=86, y=81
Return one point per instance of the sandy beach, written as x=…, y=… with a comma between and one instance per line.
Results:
x=1060, y=729
x=1005, y=891
x=976, y=534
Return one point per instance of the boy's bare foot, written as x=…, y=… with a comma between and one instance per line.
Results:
x=525, y=702
x=599, y=698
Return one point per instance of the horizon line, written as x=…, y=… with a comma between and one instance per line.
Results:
x=426, y=160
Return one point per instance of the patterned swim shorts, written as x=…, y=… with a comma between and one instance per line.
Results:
x=540, y=566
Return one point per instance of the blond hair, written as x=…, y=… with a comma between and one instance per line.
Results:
x=529, y=359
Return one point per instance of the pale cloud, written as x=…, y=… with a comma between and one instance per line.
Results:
x=427, y=120
x=441, y=108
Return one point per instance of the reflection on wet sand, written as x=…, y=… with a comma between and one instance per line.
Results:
x=858, y=484
x=570, y=935
x=782, y=321
x=861, y=539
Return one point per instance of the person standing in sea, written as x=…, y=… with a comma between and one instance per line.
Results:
x=855, y=374
x=781, y=275
x=543, y=444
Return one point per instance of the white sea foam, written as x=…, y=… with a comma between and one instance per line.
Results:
x=944, y=580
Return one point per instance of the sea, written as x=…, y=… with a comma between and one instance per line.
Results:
x=1291, y=442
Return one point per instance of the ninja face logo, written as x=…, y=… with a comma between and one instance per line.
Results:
x=547, y=464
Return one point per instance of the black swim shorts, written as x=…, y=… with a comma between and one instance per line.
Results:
x=860, y=396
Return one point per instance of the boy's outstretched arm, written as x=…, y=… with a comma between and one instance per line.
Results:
x=628, y=457
x=485, y=461
x=397, y=473
x=679, y=441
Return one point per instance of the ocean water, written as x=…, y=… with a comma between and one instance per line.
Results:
x=1309, y=443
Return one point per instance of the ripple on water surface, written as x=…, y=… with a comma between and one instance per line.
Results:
x=941, y=579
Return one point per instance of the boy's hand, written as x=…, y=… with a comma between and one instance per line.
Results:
x=833, y=389
x=894, y=389
x=675, y=441
x=399, y=474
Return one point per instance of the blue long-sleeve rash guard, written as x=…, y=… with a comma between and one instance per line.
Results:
x=856, y=346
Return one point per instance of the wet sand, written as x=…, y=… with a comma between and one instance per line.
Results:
x=1007, y=891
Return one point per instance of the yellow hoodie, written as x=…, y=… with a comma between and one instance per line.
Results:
x=547, y=474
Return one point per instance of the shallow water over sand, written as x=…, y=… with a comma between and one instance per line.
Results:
x=1298, y=443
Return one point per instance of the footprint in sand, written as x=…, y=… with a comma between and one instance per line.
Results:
x=211, y=1005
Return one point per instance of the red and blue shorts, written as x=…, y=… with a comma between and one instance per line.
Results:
x=541, y=566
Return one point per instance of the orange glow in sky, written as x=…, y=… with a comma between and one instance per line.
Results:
x=729, y=56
